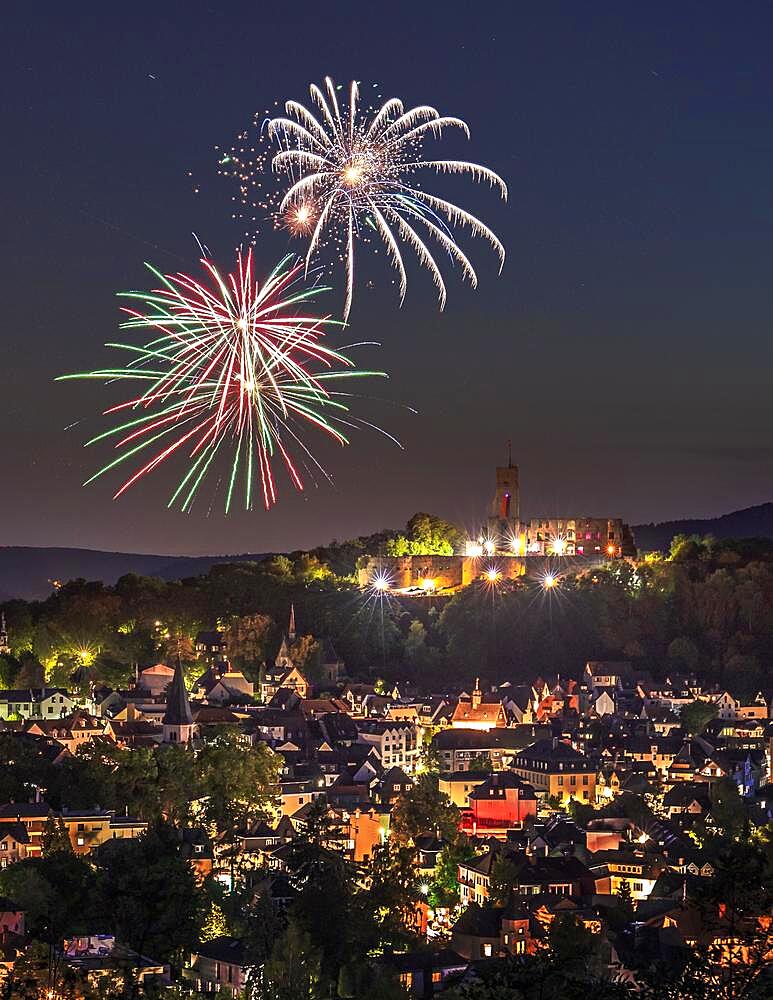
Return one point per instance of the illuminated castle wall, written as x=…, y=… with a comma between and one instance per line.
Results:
x=435, y=573
x=510, y=542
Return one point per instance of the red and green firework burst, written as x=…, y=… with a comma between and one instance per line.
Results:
x=233, y=368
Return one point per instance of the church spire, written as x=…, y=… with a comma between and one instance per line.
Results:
x=178, y=720
x=4, y=647
x=291, y=627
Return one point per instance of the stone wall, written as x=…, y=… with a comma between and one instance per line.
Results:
x=436, y=573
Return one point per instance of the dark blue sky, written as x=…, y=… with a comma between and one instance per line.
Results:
x=625, y=349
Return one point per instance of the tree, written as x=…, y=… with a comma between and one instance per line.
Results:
x=746, y=674
x=394, y=892
x=424, y=809
x=624, y=903
x=684, y=652
x=246, y=640
x=418, y=653
x=26, y=886
x=263, y=928
x=178, y=782
x=293, y=972
x=305, y=653
x=538, y=977
x=31, y=672
x=149, y=894
x=55, y=836
x=324, y=909
x=505, y=873
x=444, y=890
x=366, y=979
x=113, y=778
x=215, y=924
x=426, y=535
x=727, y=807
x=697, y=715
x=9, y=668
x=178, y=645
x=733, y=906
x=239, y=782
x=572, y=945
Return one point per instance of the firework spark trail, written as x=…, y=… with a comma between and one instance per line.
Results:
x=344, y=169
x=233, y=366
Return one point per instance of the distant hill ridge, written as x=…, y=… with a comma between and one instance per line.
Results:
x=26, y=571
x=751, y=522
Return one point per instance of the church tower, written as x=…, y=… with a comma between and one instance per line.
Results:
x=177, y=721
x=506, y=506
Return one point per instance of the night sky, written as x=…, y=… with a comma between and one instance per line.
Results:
x=625, y=349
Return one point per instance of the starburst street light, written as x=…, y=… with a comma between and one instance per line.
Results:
x=517, y=545
x=381, y=583
x=493, y=574
x=558, y=546
x=549, y=581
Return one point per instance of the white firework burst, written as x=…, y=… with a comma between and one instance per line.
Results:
x=347, y=168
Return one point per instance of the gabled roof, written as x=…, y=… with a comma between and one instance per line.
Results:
x=483, y=863
x=685, y=792
x=229, y=950
x=479, y=921
x=158, y=668
x=329, y=654
x=395, y=776
x=29, y=810
x=486, y=711
x=554, y=752
x=15, y=830
x=496, y=785
x=31, y=694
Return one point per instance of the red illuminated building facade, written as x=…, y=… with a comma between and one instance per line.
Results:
x=503, y=802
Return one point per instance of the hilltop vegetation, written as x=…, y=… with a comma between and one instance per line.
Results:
x=707, y=606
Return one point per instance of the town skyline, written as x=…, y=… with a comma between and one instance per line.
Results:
x=386, y=523
x=636, y=258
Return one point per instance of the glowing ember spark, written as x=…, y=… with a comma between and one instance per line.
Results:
x=233, y=367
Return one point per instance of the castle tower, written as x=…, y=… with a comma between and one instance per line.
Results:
x=177, y=721
x=506, y=505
